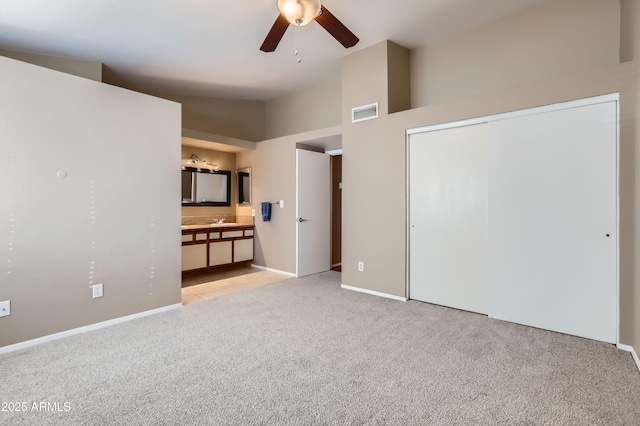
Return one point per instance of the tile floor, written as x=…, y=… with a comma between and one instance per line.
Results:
x=211, y=285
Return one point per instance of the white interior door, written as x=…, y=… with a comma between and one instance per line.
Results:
x=448, y=217
x=313, y=223
x=552, y=221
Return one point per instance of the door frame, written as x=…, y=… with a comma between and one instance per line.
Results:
x=612, y=97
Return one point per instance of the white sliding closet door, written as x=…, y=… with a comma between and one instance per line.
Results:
x=552, y=221
x=448, y=217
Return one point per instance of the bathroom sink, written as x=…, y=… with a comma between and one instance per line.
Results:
x=223, y=224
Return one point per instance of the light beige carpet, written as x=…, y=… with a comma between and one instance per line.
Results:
x=305, y=352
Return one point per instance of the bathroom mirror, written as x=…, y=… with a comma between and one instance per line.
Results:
x=202, y=187
x=244, y=185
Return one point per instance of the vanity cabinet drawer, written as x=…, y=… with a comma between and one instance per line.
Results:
x=232, y=234
x=187, y=238
x=248, y=232
x=201, y=236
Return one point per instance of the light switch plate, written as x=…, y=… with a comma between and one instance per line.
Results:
x=97, y=290
x=5, y=308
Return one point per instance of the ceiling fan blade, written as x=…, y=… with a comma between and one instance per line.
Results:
x=336, y=28
x=275, y=34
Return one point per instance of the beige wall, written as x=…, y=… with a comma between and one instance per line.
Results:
x=312, y=108
x=555, y=38
x=235, y=118
x=273, y=168
x=273, y=178
x=86, y=69
x=89, y=195
x=630, y=187
x=365, y=80
x=225, y=161
x=399, y=78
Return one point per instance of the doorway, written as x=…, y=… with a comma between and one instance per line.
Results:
x=319, y=184
x=336, y=212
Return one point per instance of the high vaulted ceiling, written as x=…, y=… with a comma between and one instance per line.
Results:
x=211, y=47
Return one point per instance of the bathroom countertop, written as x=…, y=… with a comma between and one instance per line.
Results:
x=215, y=225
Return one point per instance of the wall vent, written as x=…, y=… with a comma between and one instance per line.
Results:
x=364, y=112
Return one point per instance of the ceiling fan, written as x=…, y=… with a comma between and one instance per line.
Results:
x=302, y=12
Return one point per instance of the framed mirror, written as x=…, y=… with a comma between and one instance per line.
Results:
x=244, y=185
x=202, y=187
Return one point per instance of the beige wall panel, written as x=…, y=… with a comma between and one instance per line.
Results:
x=630, y=193
x=364, y=80
x=312, y=108
x=399, y=79
x=373, y=206
x=235, y=118
x=546, y=41
x=84, y=211
x=86, y=69
x=273, y=169
x=273, y=177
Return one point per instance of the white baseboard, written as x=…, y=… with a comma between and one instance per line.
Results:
x=84, y=329
x=273, y=270
x=373, y=293
x=633, y=353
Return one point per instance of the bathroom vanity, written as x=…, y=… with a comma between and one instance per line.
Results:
x=209, y=246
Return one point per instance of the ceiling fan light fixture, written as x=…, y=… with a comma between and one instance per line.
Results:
x=299, y=12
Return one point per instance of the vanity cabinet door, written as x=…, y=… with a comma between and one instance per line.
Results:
x=194, y=257
x=243, y=250
x=220, y=253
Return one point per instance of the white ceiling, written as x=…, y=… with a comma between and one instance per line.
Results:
x=211, y=47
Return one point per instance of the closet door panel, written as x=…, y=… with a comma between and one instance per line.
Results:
x=448, y=217
x=553, y=221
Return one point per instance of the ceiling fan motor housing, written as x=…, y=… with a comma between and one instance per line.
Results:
x=299, y=12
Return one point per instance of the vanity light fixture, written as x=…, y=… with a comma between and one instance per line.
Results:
x=194, y=160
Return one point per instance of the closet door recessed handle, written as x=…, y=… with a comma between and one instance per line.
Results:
x=302, y=220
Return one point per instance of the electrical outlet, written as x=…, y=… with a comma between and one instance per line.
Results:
x=97, y=290
x=361, y=266
x=281, y=202
x=5, y=308
x=253, y=212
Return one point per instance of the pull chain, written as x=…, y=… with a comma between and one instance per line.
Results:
x=296, y=52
